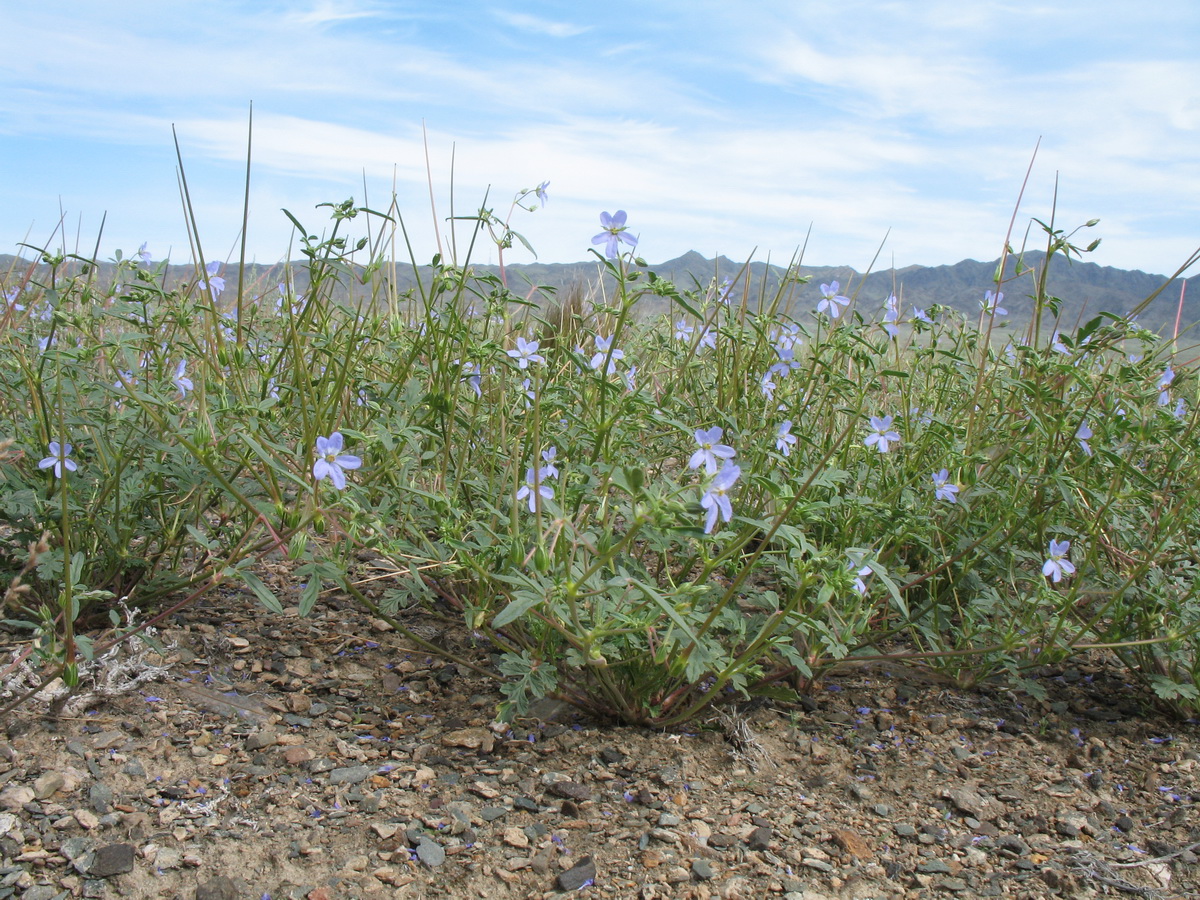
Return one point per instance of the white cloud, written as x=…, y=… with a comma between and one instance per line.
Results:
x=537, y=25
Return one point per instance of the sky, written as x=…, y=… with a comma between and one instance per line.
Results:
x=747, y=129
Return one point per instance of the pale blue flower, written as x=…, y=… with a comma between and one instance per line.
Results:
x=861, y=571
x=943, y=488
x=787, y=337
x=58, y=459
x=882, y=435
x=180, y=380
x=787, y=361
x=540, y=190
x=630, y=379
x=768, y=386
x=710, y=450
x=614, y=233
x=919, y=315
x=831, y=301
x=549, y=470
x=471, y=375
x=784, y=439
x=602, y=350
x=708, y=339
x=1084, y=434
x=891, y=315
x=1164, y=384
x=526, y=352
x=1058, y=566
x=683, y=331
x=990, y=304
x=215, y=282
x=723, y=290
x=1057, y=345
x=144, y=252
x=331, y=462
x=716, y=497
x=1180, y=409
x=533, y=488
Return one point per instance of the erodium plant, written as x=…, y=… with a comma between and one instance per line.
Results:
x=644, y=516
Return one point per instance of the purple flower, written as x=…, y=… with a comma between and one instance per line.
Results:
x=784, y=439
x=891, y=315
x=942, y=487
x=1083, y=435
x=882, y=435
x=526, y=352
x=331, y=462
x=540, y=190
x=710, y=450
x=144, y=252
x=919, y=315
x=180, y=380
x=716, y=498
x=614, y=233
x=215, y=282
x=683, y=331
x=533, y=488
x=58, y=459
x=990, y=304
x=602, y=350
x=549, y=470
x=1058, y=566
x=831, y=301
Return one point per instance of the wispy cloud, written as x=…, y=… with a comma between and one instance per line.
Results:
x=716, y=128
x=537, y=25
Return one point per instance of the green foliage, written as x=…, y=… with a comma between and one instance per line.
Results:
x=550, y=494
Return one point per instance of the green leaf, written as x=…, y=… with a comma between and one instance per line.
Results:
x=264, y=594
x=521, y=604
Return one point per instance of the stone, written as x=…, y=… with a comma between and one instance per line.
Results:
x=702, y=870
x=470, y=739
x=759, y=839
x=111, y=859
x=261, y=739
x=515, y=837
x=350, y=774
x=220, y=888
x=852, y=842
x=580, y=874
x=430, y=852
x=48, y=784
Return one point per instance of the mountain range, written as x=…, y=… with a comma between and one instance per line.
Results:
x=1084, y=288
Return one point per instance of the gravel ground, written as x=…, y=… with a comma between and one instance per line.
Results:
x=321, y=758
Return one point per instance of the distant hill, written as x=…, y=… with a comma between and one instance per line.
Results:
x=1085, y=288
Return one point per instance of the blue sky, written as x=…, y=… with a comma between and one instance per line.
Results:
x=720, y=127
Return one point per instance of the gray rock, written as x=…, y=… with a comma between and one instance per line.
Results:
x=75, y=847
x=760, y=838
x=100, y=796
x=702, y=870
x=112, y=859
x=261, y=739
x=44, y=892
x=933, y=867
x=430, y=852
x=220, y=888
x=350, y=775
x=583, y=872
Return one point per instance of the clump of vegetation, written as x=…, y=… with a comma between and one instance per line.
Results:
x=644, y=517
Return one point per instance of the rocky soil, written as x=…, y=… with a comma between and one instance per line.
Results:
x=322, y=758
